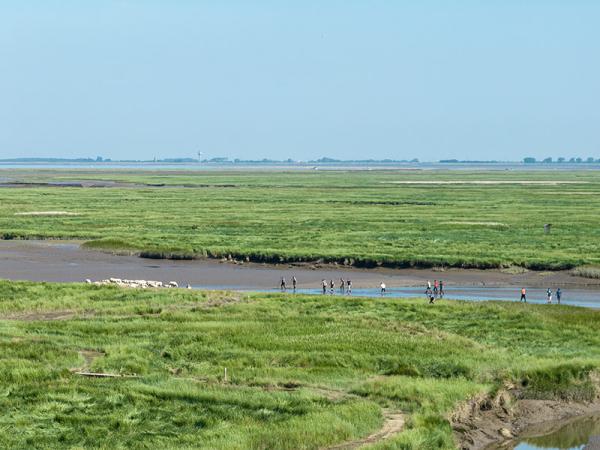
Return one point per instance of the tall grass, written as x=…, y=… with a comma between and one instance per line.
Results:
x=587, y=272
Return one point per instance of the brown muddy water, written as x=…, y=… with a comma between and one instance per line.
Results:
x=576, y=434
x=66, y=261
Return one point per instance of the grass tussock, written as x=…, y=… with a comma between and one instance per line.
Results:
x=587, y=272
x=570, y=381
x=110, y=244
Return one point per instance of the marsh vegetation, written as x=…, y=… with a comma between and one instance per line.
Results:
x=302, y=371
x=362, y=218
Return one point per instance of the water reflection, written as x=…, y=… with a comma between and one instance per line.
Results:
x=577, y=297
x=582, y=433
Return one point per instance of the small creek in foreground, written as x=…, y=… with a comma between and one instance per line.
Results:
x=577, y=434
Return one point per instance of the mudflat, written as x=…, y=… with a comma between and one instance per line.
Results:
x=67, y=261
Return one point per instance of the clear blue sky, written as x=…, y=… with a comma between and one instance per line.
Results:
x=348, y=79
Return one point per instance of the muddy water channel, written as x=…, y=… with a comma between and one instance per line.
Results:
x=581, y=433
x=67, y=261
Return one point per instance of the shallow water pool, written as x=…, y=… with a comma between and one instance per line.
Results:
x=574, y=297
x=578, y=434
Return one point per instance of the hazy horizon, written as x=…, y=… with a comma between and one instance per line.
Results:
x=132, y=79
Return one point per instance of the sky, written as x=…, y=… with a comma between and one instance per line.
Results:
x=138, y=79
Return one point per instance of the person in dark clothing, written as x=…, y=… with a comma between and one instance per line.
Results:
x=558, y=295
x=331, y=285
x=524, y=295
x=349, y=287
x=294, y=282
x=441, y=289
x=283, y=285
x=342, y=285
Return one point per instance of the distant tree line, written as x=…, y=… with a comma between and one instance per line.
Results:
x=561, y=160
x=55, y=160
x=324, y=160
x=468, y=161
x=98, y=159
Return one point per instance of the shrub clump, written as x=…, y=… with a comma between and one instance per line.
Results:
x=110, y=244
x=568, y=382
x=587, y=272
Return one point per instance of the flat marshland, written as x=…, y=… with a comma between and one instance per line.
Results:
x=364, y=218
x=302, y=371
x=177, y=368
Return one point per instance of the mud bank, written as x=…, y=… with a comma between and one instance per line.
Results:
x=68, y=261
x=486, y=423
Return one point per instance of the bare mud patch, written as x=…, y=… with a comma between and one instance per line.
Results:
x=89, y=356
x=486, y=182
x=41, y=316
x=484, y=421
x=46, y=213
x=486, y=224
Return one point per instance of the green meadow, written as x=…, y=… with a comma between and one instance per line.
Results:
x=365, y=218
x=303, y=372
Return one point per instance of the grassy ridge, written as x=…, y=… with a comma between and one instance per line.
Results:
x=303, y=371
x=360, y=218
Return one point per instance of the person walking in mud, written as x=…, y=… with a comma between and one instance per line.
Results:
x=331, y=285
x=523, y=295
x=349, y=287
x=382, y=286
x=283, y=285
x=324, y=284
x=428, y=290
x=549, y=295
x=342, y=285
x=441, y=289
x=558, y=295
x=431, y=297
x=294, y=283
x=435, y=288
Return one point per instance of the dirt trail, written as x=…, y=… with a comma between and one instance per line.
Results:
x=88, y=357
x=42, y=315
x=393, y=424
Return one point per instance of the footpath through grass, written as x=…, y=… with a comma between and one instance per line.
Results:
x=396, y=218
x=302, y=371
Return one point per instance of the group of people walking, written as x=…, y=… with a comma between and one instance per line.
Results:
x=549, y=295
x=283, y=284
x=345, y=286
x=432, y=291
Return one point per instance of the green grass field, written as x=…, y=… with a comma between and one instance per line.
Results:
x=303, y=371
x=395, y=218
